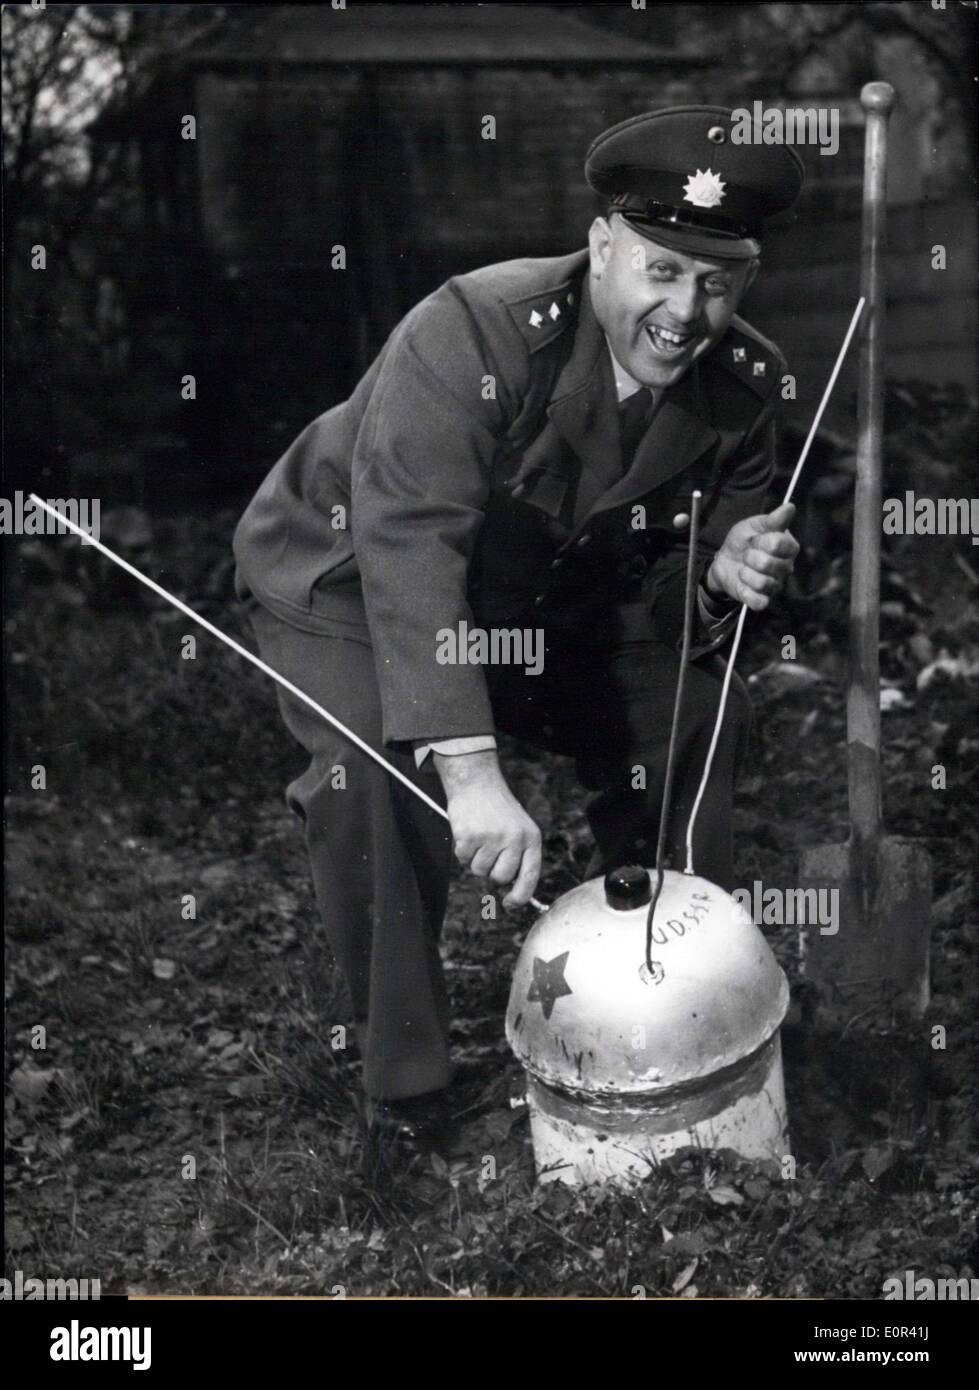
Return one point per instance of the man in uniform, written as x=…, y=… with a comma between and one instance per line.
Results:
x=520, y=458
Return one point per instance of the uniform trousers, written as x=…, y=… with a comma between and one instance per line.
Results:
x=381, y=860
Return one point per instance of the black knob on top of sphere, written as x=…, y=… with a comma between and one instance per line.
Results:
x=627, y=887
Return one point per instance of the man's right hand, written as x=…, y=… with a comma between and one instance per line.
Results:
x=492, y=834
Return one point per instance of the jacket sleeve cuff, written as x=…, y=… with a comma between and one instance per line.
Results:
x=452, y=747
x=717, y=619
x=713, y=611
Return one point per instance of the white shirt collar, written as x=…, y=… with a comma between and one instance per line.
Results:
x=625, y=385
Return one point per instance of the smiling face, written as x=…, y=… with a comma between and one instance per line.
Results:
x=660, y=308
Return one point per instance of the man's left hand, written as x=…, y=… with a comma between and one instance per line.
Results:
x=756, y=558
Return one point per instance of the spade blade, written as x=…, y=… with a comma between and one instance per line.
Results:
x=876, y=959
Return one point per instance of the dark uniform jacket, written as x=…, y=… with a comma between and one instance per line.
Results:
x=475, y=476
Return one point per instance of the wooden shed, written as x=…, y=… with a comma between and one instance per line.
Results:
x=345, y=162
x=422, y=140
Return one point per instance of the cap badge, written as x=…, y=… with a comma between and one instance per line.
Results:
x=704, y=189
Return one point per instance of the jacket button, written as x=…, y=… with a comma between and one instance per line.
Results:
x=584, y=540
x=538, y=600
x=555, y=564
x=681, y=521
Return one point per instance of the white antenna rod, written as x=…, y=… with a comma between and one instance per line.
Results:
x=249, y=656
x=725, y=688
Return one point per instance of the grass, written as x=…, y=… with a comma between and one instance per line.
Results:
x=191, y=1123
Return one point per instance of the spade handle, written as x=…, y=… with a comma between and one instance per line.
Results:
x=863, y=696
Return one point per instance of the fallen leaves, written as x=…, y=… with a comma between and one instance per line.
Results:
x=30, y=1083
x=229, y=1065
x=963, y=666
x=725, y=1197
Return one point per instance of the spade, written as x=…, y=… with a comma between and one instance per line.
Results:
x=874, y=960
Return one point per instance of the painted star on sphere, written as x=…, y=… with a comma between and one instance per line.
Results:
x=549, y=983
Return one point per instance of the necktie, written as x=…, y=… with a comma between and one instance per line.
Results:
x=633, y=421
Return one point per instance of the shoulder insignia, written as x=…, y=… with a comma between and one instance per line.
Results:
x=750, y=357
x=543, y=316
